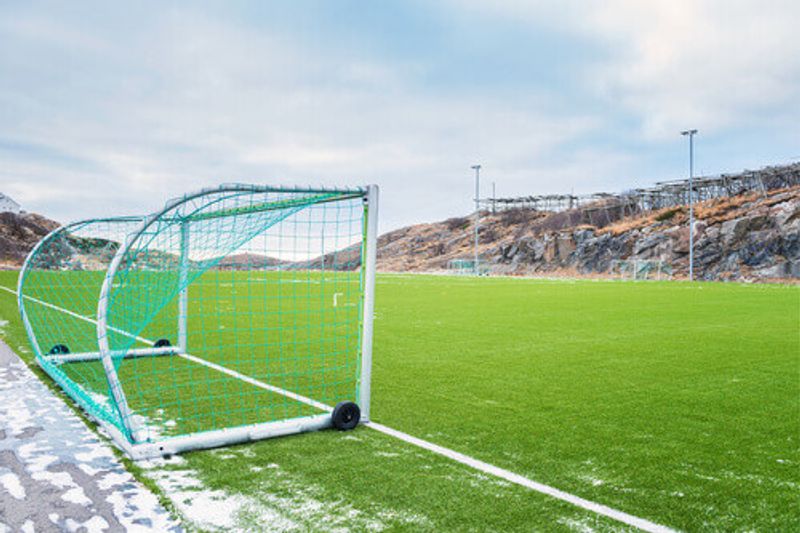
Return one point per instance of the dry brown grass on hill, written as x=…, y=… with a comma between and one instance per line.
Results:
x=668, y=215
x=712, y=211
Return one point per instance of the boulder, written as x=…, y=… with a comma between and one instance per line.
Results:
x=735, y=230
x=645, y=247
x=564, y=247
x=790, y=246
x=760, y=248
x=778, y=270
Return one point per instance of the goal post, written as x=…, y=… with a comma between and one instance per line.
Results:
x=256, y=300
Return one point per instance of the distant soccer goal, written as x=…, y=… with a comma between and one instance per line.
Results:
x=466, y=267
x=640, y=269
x=233, y=314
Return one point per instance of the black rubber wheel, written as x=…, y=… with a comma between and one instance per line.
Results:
x=346, y=415
x=162, y=343
x=59, y=349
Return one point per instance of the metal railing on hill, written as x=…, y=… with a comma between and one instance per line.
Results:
x=663, y=194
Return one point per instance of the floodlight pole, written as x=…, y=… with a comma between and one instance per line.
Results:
x=477, y=169
x=691, y=134
x=183, y=295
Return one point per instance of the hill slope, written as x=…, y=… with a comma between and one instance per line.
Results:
x=19, y=233
x=751, y=236
x=754, y=236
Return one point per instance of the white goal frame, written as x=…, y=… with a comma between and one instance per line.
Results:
x=133, y=443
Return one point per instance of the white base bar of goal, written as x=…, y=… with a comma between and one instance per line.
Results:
x=219, y=437
x=60, y=359
x=205, y=439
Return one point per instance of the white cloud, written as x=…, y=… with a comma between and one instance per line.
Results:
x=125, y=110
x=679, y=63
x=193, y=101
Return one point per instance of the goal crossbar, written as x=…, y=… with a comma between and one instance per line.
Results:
x=271, y=206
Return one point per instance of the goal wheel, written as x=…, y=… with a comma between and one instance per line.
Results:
x=59, y=349
x=346, y=415
x=162, y=343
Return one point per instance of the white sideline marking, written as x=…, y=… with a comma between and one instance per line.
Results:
x=80, y=317
x=502, y=473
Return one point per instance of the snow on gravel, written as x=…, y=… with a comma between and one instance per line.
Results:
x=55, y=473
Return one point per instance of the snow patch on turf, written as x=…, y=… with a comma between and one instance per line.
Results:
x=275, y=499
x=582, y=526
x=213, y=510
x=387, y=454
x=480, y=481
x=592, y=475
x=151, y=428
x=762, y=480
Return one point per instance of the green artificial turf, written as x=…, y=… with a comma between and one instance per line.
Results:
x=675, y=402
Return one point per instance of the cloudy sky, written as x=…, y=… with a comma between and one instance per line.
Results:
x=113, y=107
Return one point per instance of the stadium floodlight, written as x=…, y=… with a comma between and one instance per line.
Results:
x=233, y=314
x=691, y=134
x=477, y=169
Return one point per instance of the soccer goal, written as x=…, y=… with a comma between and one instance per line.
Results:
x=466, y=267
x=641, y=269
x=233, y=314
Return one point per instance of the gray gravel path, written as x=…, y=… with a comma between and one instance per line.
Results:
x=55, y=474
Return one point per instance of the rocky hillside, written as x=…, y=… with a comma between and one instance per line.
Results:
x=18, y=234
x=752, y=237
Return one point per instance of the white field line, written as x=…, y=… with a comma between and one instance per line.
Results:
x=502, y=473
x=620, y=516
x=256, y=383
x=79, y=317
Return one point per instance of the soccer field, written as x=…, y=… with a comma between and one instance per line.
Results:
x=678, y=403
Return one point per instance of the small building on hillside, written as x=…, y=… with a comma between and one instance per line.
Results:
x=8, y=204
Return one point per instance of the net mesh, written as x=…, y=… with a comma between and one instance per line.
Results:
x=59, y=289
x=232, y=307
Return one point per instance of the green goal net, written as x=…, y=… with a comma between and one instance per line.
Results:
x=232, y=314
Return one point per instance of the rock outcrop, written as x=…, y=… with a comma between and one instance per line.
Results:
x=754, y=236
x=19, y=232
